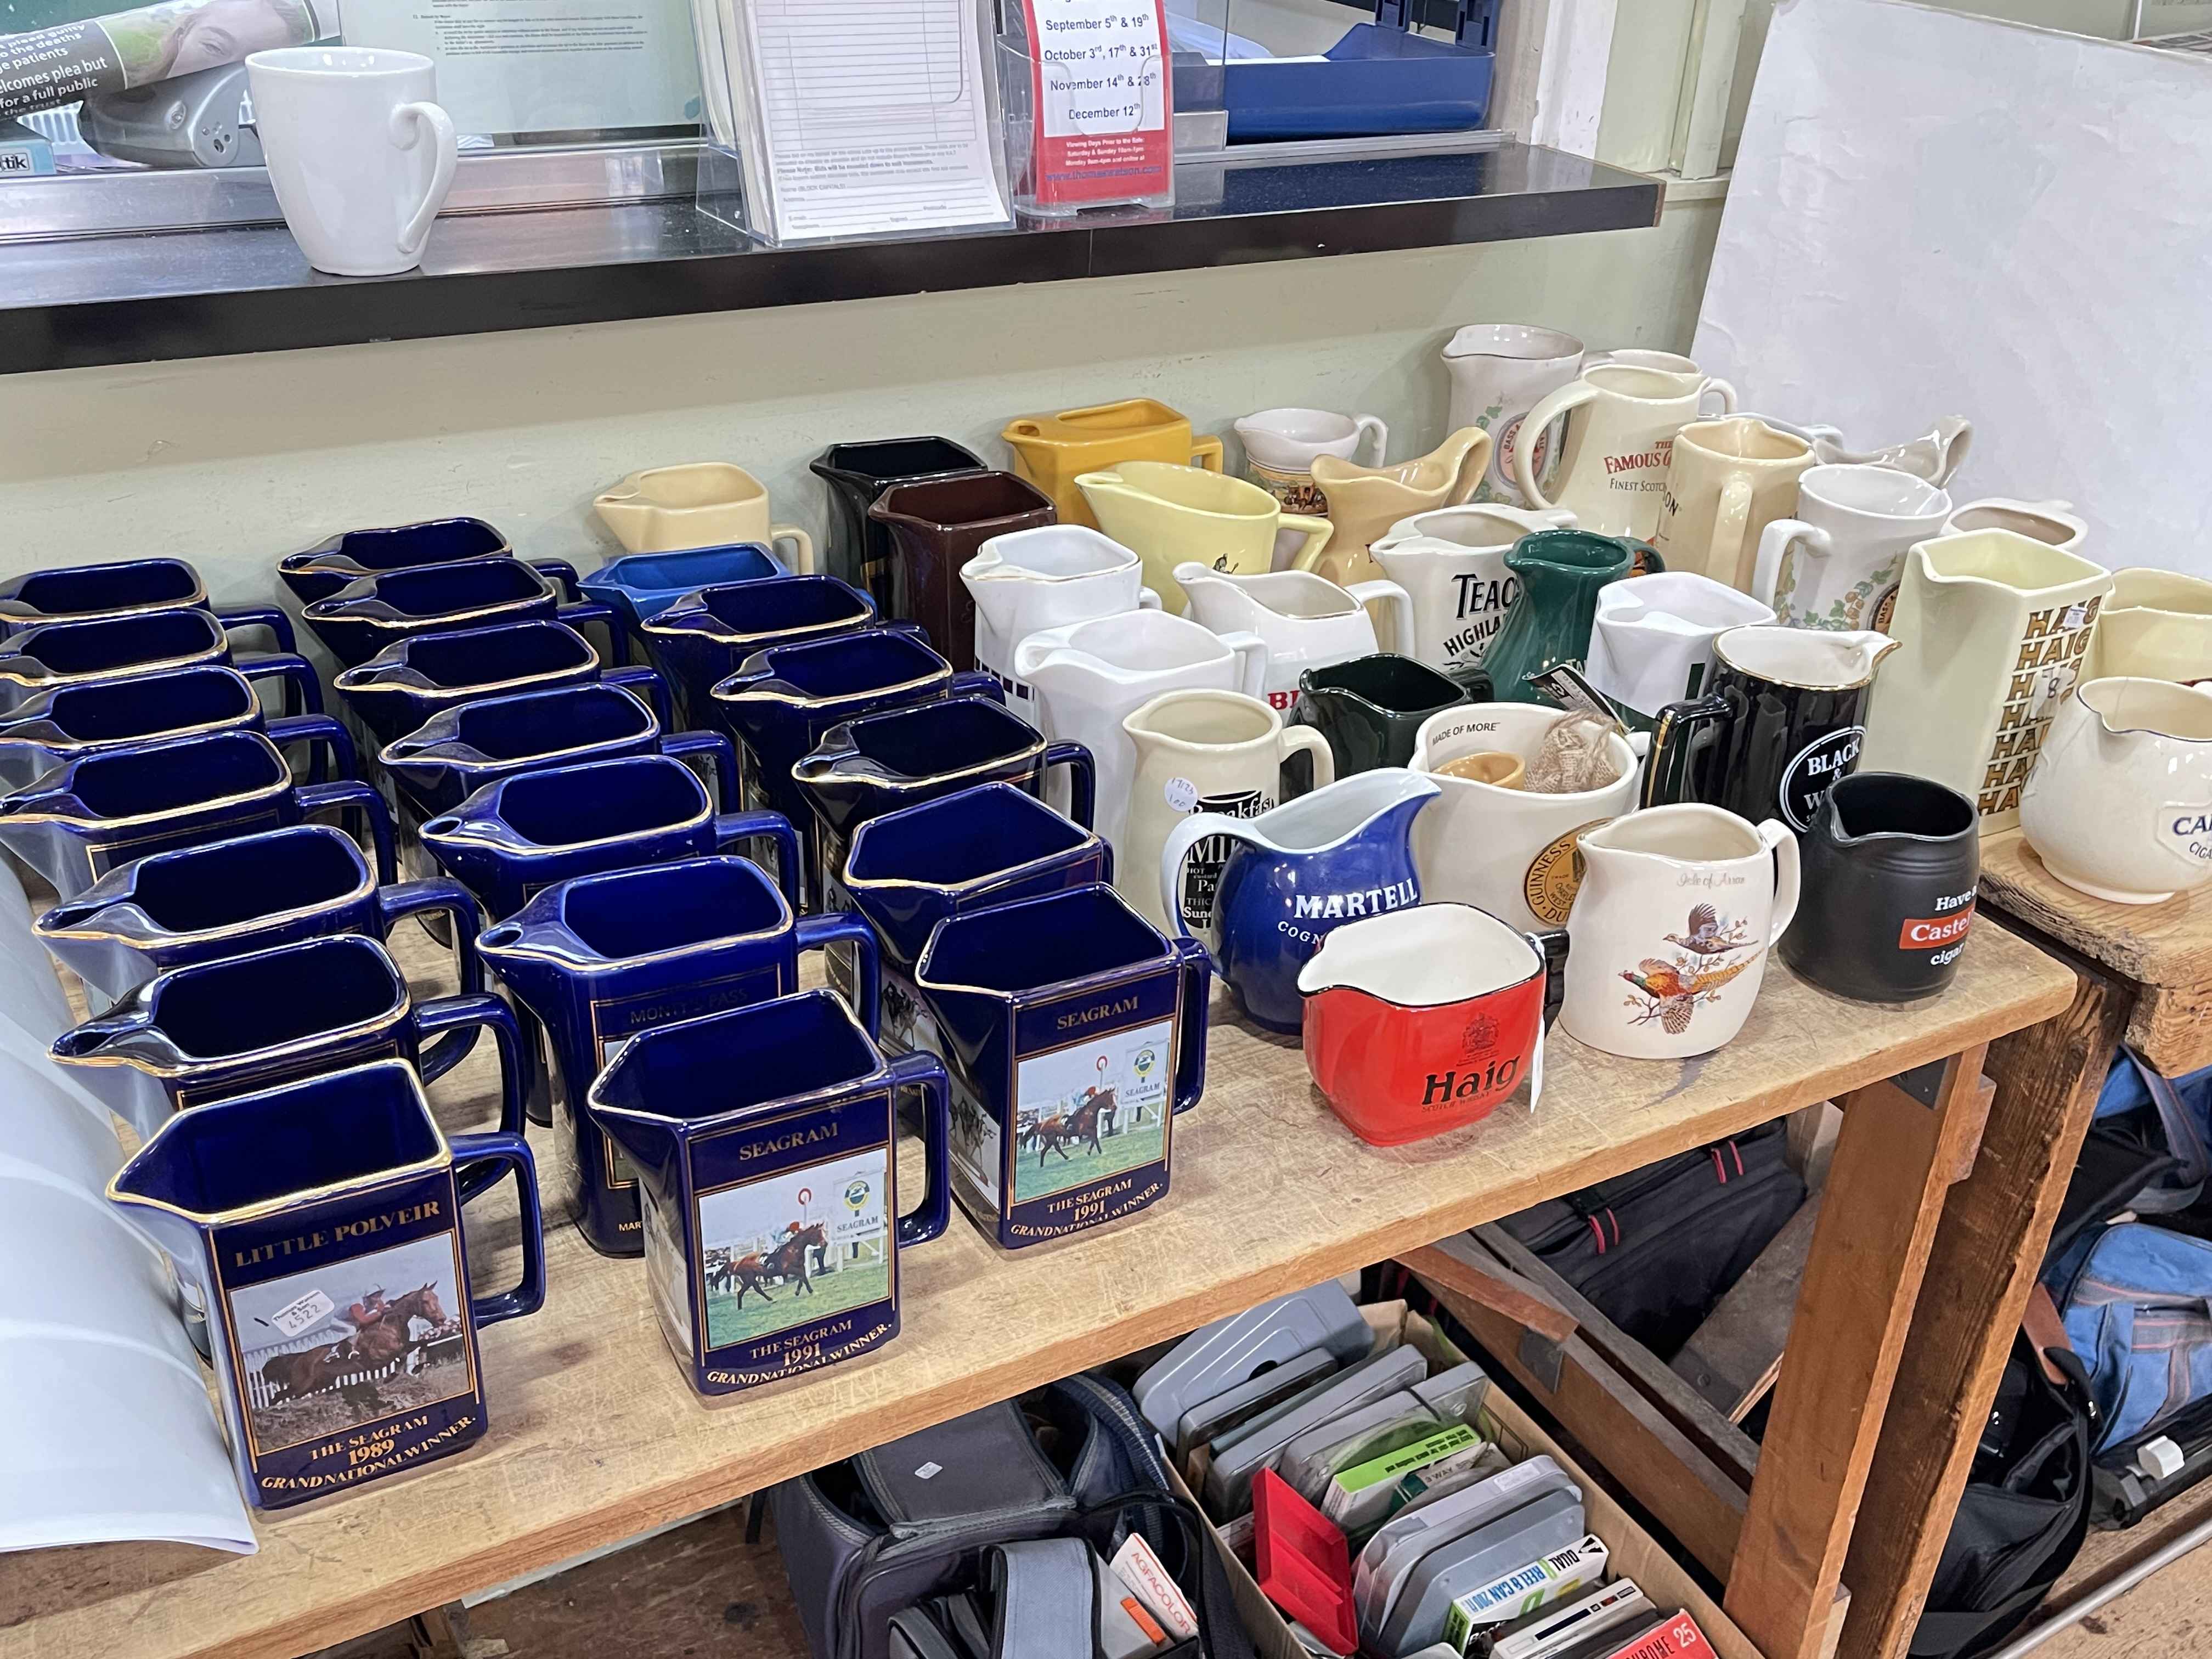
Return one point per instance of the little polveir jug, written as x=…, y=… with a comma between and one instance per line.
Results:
x=1992, y=628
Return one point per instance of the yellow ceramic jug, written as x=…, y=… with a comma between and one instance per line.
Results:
x=668, y=509
x=1052, y=450
x=2157, y=625
x=1364, y=501
x=1169, y=514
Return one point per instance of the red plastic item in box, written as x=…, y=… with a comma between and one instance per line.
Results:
x=1305, y=1565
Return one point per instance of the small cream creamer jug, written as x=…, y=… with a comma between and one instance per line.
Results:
x=1170, y=513
x=1364, y=501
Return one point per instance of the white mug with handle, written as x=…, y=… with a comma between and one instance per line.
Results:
x=358, y=150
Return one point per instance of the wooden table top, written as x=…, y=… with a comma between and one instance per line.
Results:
x=595, y=1436
x=2166, y=949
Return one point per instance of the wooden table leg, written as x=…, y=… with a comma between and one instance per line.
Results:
x=1903, y=1143
x=1988, y=1251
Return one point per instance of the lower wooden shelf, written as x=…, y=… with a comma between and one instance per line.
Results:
x=595, y=1436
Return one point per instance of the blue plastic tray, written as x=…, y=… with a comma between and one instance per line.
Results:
x=1374, y=81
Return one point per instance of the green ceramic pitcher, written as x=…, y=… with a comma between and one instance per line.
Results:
x=1561, y=572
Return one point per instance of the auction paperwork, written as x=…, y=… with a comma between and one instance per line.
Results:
x=863, y=117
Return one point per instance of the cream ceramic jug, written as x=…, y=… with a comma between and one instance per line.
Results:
x=1727, y=480
x=1451, y=560
x=1498, y=371
x=1281, y=445
x=2156, y=625
x=668, y=509
x=1088, y=677
x=2053, y=522
x=1933, y=457
x=1667, y=943
x=1507, y=850
x=1202, y=751
x=1682, y=371
x=1170, y=513
x=1620, y=431
x=1308, y=621
x=2120, y=802
x=1364, y=501
x=1027, y=581
x=1835, y=564
x=1993, y=627
x=1652, y=642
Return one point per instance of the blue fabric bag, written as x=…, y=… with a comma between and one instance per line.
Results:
x=2183, y=1108
x=2138, y=1303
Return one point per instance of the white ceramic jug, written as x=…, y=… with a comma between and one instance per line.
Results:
x=1308, y=621
x=2120, y=802
x=1498, y=371
x=1652, y=642
x=1621, y=428
x=1933, y=457
x=1089, y=676
x=1202, y=751
x=1835, y=564
x=1506, y=849
x=1281, y=445
x=1993, y=626
x=2157, y=625
x=1683, y=371
x=1056, y=574
x=1451, y=562
x=1669, y=940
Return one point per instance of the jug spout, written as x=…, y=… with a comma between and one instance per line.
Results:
x=529, y=961
x=1861, y=652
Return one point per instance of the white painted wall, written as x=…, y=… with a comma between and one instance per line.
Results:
x=230, y=462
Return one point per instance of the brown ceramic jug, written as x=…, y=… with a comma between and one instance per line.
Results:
x=936, y=525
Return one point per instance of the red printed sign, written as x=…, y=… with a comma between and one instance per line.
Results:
x=1933, y=932
x=1098, y=81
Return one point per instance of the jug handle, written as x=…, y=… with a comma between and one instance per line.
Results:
x=494, y=1151
x=1309, y=739
x=350, y=792
x=295, y=671
x=717, y=748
x=1400, y=604
x=1367, y=427
x=581, y=612
x=1180, y=840
x=1082, y=779
x=1473, y=467
x=646, y=682
x=1782, y=841
x=561, y=571
x=850, y=928
x=1774, y=543
x=1252, y=657
x=1954, y=436
x=261, y=616
x=926, y=1072
x=976, y=683
x=318, y=731
x=1676, y=739
x=480, y=1008
x=411, y=898
x=802, y=558
x=731, y=827
x=1206, y=452
x=1552, y=404
x=1553, y=945
x=1147, y=600
x=1724, y=554
x=1197, y=968
x=1714, y=387
x=1317, y=532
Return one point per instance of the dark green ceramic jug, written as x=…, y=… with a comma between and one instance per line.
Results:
x=1561, y=572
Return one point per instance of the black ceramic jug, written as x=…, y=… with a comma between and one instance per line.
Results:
x=861, y=549
x=1890, y=863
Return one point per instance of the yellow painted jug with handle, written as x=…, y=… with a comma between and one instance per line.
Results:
x=1052, y=451
x=1171, y=514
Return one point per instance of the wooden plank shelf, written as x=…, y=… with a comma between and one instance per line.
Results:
x=595, y=1436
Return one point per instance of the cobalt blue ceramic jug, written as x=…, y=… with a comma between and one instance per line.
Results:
x=97, y=716
x=412, y=679
x=640, y=585
x=600, y=958
x=1294, y=872
x=124, y=587
x=364, y=616
x=453, y=754
x=228, y=897
x=513, y=839
x=910, y=869
x=764, y=1140
x=1074, y=1033
x=336, y=562
x=91, y=814
x=55, y=654
x=709, y=634
x=319, y=1224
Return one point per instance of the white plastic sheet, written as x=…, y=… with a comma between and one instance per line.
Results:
x=1934, y=212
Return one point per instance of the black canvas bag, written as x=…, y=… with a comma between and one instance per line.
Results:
x=2022, y=1516
x=1656, y=1248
